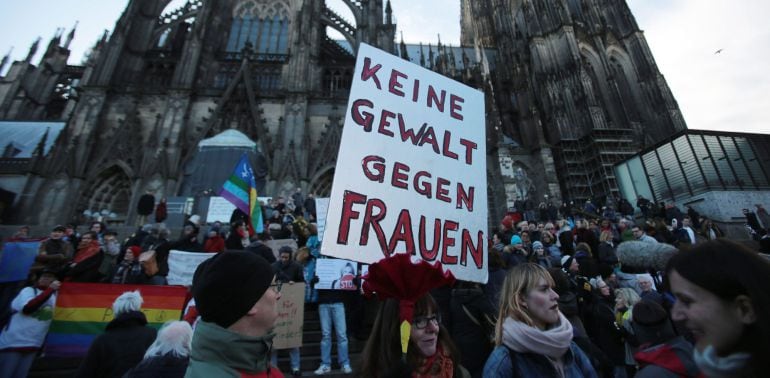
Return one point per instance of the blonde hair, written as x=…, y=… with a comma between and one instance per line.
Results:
x=628, y=296
x=605, y=236
x=519, y=281
x=302, y=255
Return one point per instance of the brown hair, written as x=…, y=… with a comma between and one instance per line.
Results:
x=383, y=349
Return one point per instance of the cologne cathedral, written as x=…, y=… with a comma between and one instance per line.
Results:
x=168, y=100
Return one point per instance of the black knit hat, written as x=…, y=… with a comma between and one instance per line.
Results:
x=649, y=313
x=227, y=286
x=650, y=323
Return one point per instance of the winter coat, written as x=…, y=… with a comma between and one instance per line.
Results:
x=244, y=355
x=161, y=212
x=671, y=359
x=261, y=249
x=190, y=244
x=603, y=331
x=32, y=313
x=588, y=265
x=234, y=241
x=54, y=254
x=165, y=366
x=607, y=254
x=120, y=348
x=289, y=272
x=472, y=335
x=495, y=285
x=86, y=270
x=146, y=204
x=505, y=363
x=214, y=244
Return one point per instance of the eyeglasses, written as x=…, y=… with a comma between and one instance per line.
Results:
x=277, y=286
x=423, y=321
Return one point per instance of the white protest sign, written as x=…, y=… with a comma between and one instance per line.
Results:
x=335, y=274
x=220, y=210
x=321, y=207
x=182, y=265
x=411, y=169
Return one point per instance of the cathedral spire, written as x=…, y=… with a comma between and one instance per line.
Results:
x=388, y=14
x=402, y=46
x=70, y=36
x=430, y=56
x=5, y=60
x=422, y=56
x=33, y=50
x=54, y=42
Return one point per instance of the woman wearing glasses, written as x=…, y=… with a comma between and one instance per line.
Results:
x=431, y=352
x=533, y=338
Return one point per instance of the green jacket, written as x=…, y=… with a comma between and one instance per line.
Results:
x=218, y=352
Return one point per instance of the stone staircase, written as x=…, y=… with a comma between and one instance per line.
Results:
x=310, y=352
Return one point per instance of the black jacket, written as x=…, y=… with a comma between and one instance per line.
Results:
x=190, y=244
x=261, y=249
x=472, y=339
x=146, y=204
x=289, y=272
x=120, y=348
x=165, y=366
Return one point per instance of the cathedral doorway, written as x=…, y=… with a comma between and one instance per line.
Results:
x=322, y=186
x=108, y=195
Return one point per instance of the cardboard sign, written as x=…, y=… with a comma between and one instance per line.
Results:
x=411, y=172
x=291, y=315
x=335, y=274
x=321, y=208
x=182, y=265
x=276, y=245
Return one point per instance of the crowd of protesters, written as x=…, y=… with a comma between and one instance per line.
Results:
x=559, y=301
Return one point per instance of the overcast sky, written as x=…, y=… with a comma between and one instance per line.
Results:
x=725, y=91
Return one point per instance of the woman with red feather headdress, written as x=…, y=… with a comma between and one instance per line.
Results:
x=408, y=339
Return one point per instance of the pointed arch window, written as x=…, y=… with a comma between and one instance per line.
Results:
x=624, y=89
x=266, y=28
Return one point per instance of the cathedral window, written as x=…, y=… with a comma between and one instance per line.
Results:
x=264, y=26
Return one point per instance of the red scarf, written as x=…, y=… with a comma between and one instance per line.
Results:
x=86, y=251
x=440, y=365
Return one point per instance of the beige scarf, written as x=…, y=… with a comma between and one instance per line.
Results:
x=552, y=343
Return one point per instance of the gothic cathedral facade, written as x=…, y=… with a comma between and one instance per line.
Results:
x=571, y=88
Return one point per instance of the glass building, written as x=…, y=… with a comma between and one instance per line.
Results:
x=692, y=162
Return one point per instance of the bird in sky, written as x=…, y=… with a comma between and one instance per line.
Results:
x=718, y=51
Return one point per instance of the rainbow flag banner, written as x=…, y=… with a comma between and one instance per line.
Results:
x=84, y=309
x=241, y=190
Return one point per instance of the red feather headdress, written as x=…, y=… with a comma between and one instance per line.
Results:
x=398, y=277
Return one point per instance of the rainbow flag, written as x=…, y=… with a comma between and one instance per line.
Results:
x=241, y=190
x=84, y=309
